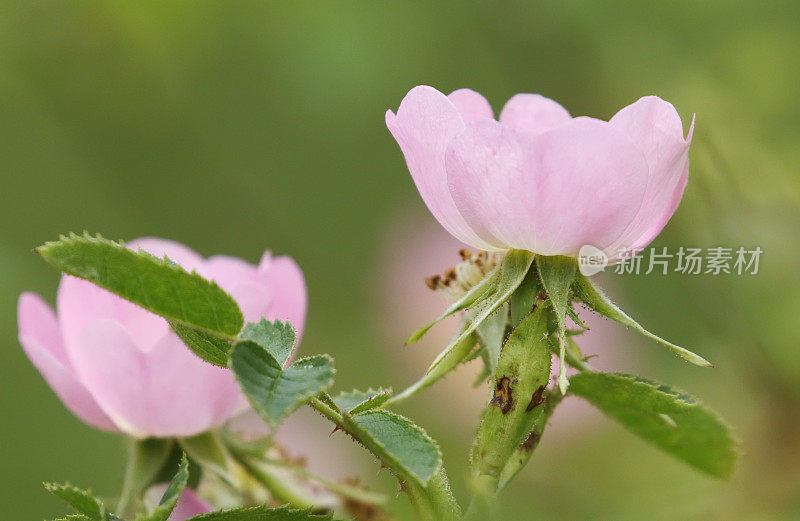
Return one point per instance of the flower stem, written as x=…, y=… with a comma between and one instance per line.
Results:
x=145, y=460
x=277, y=486
x=355, y=493
x=481, y=507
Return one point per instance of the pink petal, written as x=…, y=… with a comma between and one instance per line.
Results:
x=80, y=302
x=287, y=287
x=656, y=127
x=188, y=395
x=471, y=105
x=254, y=300
x=37, y=321
x=227, y=271
x=188, y=505
x=165, y=392
x=424, y=125
x=41, y=341
x=533, y=113
x=579, y=183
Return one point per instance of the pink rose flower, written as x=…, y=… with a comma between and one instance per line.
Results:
x=120, y=368
x=188, y=505
x=538, y=179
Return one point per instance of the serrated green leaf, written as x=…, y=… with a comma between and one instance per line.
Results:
x=356, y=402
x=671, y=420
x=593, y=297
x=211, y=348
x=399, y=441
x=503, y=281
x=199, y=311
x=171, y=495
x=326, y=399
x=81, y=500
x=275, y=392
x=557, y=273
x=405, y=449
x=277, y=337
x=262, y=514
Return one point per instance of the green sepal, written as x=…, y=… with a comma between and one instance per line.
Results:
x=573, y=357
x=475, y=294
x=594, y=297
x=81, y=500
x=525, y=297
x=557, y=273
x=495, y=290
x=167, y=470
x=669, y=419
x=355, y=401
x=199, y=311
x=275, y=392
x=167, y=503
x=510, y=273
x=577, y=319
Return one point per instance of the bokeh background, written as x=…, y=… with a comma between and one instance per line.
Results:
x=239, y=126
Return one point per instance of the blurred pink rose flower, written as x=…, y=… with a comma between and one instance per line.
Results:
x=120, y=368
x=539, y=179
x=188, y=505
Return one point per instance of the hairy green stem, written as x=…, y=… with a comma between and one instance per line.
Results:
x=482, y=505
x=355, y=493
x=145, y=458
x=276, y=485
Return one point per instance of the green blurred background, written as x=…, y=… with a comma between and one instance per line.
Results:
x=239, y=126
